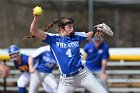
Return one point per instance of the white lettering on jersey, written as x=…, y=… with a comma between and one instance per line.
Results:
x=100, y=51
x=49, y=60
x=64, y=45
x=68, y=53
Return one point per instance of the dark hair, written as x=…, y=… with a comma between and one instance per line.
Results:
x=62, y=21
x=55, y=21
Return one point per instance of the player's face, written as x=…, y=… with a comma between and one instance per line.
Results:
x=69, y=28
x=97, y=43
x=14, y=56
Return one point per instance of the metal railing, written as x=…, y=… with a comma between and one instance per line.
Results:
x=117, y=77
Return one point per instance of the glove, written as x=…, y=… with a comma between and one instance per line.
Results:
x=103, y=28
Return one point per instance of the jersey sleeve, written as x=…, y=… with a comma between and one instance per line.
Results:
x=80, y=36
x=86, y=47
x=106, y=52
x=15, y=65
x=38, y=52
x=49, y=39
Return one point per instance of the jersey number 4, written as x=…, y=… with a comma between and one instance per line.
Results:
x=68, y=53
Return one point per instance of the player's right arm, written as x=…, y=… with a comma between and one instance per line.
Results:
x=35, y=30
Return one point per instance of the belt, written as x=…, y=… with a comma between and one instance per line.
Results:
x=73, y=73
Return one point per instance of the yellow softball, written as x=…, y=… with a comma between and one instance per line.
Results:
x=38, y=10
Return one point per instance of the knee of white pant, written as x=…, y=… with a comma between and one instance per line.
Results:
x=50, y=80
x=52, y=88
x=54, y=85
x=55, y=90
x=21, y=83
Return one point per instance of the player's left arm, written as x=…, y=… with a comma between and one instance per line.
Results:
x=90, y=35
x=104, y=61
x=30, y=62
x=104, y=66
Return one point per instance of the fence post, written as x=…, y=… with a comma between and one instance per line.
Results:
x=4, y=81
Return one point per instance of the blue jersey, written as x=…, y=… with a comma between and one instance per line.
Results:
x=95, y=56
x=66, y=50
x=23, y=65
x=45, y=59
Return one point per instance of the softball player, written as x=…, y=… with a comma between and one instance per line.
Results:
x=42, y=69
x=66, y=49
x=21, y=63
x=97, y=57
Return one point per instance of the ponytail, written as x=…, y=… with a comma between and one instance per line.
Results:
x=55, y=21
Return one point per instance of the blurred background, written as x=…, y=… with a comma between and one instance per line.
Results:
x=123, y=17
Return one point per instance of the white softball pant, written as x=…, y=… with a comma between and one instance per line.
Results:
x=23, y=79
x=84, y=79
x=98, y=75
x=47, y=79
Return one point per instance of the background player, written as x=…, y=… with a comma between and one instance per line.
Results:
x=21, y=63
x=97, y=57
x=42, y=69
x=66, y=49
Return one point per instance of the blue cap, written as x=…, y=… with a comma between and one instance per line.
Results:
x=13, y=49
